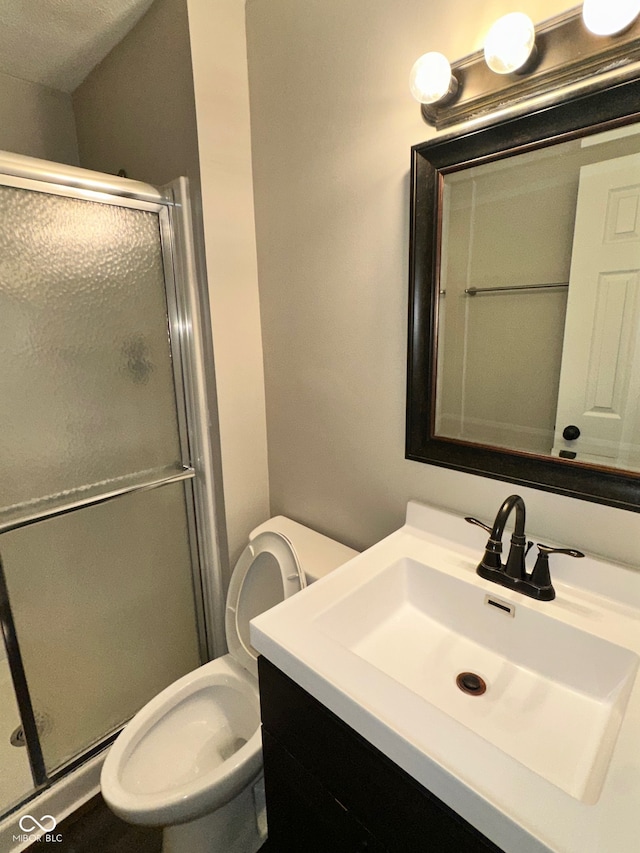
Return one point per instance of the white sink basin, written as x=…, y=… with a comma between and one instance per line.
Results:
x=555, y=695
x=547, y=758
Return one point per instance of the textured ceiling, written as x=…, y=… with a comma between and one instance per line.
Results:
x=58, y=42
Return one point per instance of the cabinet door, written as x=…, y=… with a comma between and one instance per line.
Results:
x=302, y=814
x=400, y=814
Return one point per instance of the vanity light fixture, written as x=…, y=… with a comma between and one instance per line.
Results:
x=431, y=80
x=510, y=43
x=608, y=17
x=525, y=67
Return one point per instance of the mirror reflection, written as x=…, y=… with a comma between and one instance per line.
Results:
x=538, y=322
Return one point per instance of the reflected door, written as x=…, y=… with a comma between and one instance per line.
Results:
x=601, y=351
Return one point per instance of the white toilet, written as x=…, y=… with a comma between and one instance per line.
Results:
x=191, y=759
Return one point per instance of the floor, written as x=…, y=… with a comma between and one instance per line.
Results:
x=94, y=829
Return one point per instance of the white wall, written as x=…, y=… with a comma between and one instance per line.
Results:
x=218, y=48
x=332, y=124
x=37, y=121
x=506, y=223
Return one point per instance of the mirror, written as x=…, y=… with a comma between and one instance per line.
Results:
x=524, y=337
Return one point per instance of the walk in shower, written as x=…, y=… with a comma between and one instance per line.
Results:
x=109, y=575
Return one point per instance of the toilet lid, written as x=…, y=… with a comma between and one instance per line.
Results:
x=267, y=572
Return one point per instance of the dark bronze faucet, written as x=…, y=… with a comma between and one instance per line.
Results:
x=513, y=574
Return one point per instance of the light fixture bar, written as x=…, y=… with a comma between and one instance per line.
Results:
x=567, y=54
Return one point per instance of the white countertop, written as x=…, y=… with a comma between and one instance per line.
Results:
x=516, y=808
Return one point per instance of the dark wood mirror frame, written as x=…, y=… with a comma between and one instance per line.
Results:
x=613, y=107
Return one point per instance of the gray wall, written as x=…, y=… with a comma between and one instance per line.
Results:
x=332, y=124
x=182, y=73
x=37, y=121
x=221, y=81
x=135, y=111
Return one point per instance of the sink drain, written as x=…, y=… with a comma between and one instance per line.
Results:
x=471, y=683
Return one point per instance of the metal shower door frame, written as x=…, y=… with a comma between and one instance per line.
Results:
x=191, y=355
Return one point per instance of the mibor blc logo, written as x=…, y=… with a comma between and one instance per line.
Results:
x=38, y=829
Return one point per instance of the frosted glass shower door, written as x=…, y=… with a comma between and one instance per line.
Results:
x=97, y=524
x=103, y=607
x=15, y=774
x=86, y=382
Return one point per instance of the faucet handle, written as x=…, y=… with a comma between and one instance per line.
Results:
x=492, y=561
x=540, y=576
x=478, y=523
x=547, y=549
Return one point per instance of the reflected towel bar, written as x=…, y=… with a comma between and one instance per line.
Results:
x=472, y=291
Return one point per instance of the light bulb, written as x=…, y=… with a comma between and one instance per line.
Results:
x=610, y=17
x=509, y=43
x=431, y=79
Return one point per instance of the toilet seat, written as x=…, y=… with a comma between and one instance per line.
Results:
x=152, y=793
x=141, y=791
x=193, y=754
x=267, y=573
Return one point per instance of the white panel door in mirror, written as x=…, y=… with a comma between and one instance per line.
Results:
x=601, y=352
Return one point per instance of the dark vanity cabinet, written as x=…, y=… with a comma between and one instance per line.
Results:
x=329, y=791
